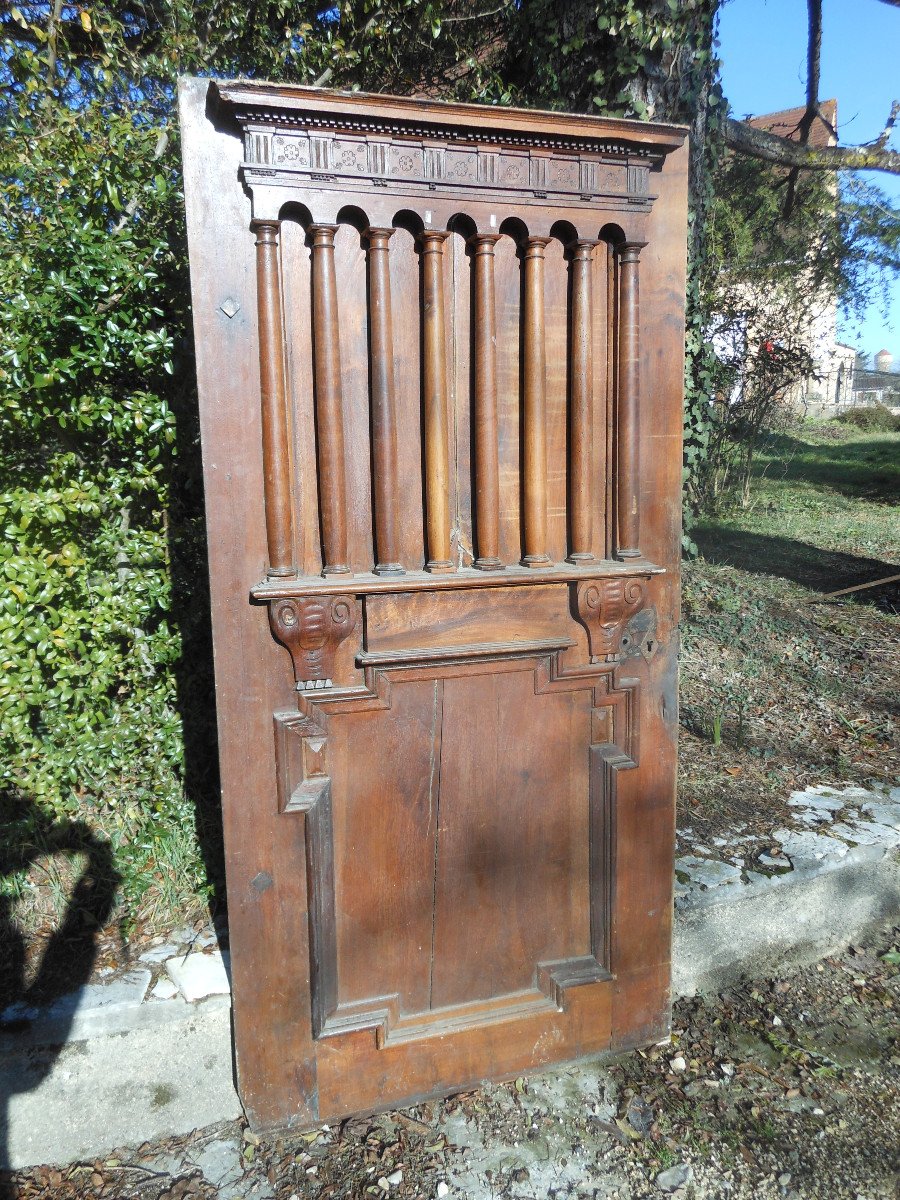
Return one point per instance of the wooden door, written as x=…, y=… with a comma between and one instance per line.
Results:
x=439, y=351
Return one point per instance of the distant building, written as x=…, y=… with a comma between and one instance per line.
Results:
x=877, y=387
x=884, y=361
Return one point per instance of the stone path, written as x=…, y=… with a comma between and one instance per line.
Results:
x=778, y=1089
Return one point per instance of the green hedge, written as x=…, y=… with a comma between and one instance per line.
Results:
x=99, y=493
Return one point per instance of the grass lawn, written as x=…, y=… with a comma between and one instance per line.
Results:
x=781, y=688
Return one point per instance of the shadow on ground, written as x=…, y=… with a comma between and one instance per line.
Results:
x=68, y=954
x=811, y=566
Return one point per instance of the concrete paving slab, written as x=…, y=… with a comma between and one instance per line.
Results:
x=126, y=992
x=805, y=848
x=791, y=919
x=705, y=873
x=119, y=1090
x=220, y=1161
x=165, y=989
x=866, y=833
x=102, y=1022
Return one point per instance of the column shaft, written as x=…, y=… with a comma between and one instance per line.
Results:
x=273, y=397
x=329, y=403
x=385, y=484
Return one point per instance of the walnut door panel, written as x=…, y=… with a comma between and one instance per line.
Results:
x=439, y=356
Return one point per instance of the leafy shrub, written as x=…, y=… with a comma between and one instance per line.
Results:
x=95, y=517
x=873, y=418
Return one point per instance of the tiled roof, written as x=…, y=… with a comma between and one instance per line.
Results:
x=786, y=123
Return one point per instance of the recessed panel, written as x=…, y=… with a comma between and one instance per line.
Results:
x=511, y=866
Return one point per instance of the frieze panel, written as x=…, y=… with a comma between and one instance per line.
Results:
x=513, y=170
x=533, y=173
x=379, y=159
x=461, y=166
x=564, y=175
x=288, y=151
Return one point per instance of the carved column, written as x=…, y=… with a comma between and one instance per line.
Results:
x=385, y=486
x=581, y=402
x=434, y=386
x=487, y=467
x=329, y=406
x=534, y=418
x=612, y=351
x=273, y=395
x=628, y=423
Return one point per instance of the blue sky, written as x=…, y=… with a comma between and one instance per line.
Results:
x=763, y=52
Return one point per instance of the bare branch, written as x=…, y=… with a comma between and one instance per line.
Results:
x=813, y=68
x=786, y=153
x=52, y=40
x=481, y=16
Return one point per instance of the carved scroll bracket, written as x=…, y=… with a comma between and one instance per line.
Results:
x=604, y=607
x=312, y=628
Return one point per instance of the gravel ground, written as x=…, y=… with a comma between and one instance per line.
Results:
x=785, y=1089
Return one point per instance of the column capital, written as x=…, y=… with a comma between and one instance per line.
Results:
x=378, y=234
x=630, y=251
x=323, y=235
x=266, y=232
x=483, y=242
x=534, y=246
x=582, y=247
x=432, y=239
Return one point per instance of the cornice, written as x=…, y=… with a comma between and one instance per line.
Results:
x=295, y=138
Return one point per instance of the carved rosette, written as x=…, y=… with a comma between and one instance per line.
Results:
x=312, y=628
x=604, y=606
